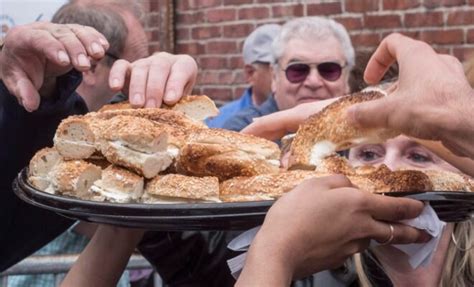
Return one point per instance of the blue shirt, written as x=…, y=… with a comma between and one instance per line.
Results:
x=245, y=117
x=230, y=109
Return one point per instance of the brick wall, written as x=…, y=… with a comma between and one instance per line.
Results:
x=213, y=31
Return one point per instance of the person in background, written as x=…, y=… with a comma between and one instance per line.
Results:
x=257, y=55
x=313, y=59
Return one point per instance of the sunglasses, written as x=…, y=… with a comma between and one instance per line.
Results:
x=298, y=72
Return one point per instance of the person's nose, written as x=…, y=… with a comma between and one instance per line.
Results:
x=392, y=161
x=314, y=79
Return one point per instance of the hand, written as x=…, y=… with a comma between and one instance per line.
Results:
x=35, y=54
x=321, y=223
x=275, y=126
x=150, y=81
x=432, y=100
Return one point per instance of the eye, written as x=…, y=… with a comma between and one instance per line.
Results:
x=419, y=156
x=369, y=154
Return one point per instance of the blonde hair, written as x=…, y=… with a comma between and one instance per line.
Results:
x=458, y=270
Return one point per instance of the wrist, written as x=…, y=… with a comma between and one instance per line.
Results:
x=266, y=264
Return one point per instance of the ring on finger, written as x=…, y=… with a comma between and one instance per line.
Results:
x=390, y=237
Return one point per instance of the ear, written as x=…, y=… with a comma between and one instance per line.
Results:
x=88, y=78
x=249, y=70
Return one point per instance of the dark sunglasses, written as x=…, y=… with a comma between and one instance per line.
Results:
x=297, y=72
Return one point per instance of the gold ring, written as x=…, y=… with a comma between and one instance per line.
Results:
x=390, y=238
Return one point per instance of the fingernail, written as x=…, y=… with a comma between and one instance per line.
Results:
x=170, y=96
x=137, y=98
x=424, y=237
x=83, y=61
x=63, y=57
x=151, y=103
x=103, y=42
x=115, y=83
x=96, y=48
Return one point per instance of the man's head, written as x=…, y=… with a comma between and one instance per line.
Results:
x=257, y=54
x=132, y=13
x=313, y=58
x=94, y=88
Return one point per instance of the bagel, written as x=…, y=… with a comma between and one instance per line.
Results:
x=328, y=131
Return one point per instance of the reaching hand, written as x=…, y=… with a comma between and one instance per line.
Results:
x=320, y=224
x=35, y=54
x=432, y=100
x=150, y=81
x=275, y=126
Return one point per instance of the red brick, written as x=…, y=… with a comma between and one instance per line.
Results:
x=351, y=23
x=221, y=47
x=183, y=33
x=236, y=62
x=442, y=50
x=218, y=94
x=400, y=4
x=365, y=39
x=288, y=10
x=237, y=2
x=182, y=5
x=254, y=13
x=455, y=36
x=238, y=91
x=438, y=3
x=362, y=5
x=153, y=20
x=206, y=32
x=190, y=48
x=220, y=15
x=460, y=18
x=154, y=47
x=463, y=53
x=382, y=21
x=238, y=30
x=324, y=8
x=424, y=19
x=470, y=36
x=187, y=18
x=199, y=4
x=213, y=62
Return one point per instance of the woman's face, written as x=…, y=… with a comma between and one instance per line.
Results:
x=397, y=153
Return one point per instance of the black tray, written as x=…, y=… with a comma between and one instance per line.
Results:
x=450, y=206
x=169, y=217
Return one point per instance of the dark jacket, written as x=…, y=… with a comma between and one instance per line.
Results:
x=23, y=227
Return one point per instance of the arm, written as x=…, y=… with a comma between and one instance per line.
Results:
x=433, y=99
x=320, y=224
x=104, y=258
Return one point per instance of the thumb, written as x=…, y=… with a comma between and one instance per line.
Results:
x=372, y=114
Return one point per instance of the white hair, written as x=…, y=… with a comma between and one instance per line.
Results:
x=316, y=28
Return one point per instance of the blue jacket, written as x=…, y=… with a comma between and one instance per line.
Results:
x=228, y=110
x=245, y=117
x=25, y=228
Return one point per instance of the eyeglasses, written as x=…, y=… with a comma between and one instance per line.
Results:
x=298, y=72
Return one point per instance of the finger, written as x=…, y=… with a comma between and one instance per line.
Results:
x=181, y=79
x=158, y=74
x=327, y=182
x=91, y=40
x=138, y=79
x=393, y=209
x=270, y=127
x=379, y=113
x=118, y=74
x=380, y=61
x=74, y=48
x=45, y=44
x=402, y=234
